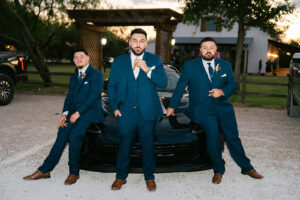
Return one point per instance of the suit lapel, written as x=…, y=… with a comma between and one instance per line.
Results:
x=128, y=67
x=217, y=73
x=146, y=59
x=87, y=74
x=126, y=73
x=203, y=71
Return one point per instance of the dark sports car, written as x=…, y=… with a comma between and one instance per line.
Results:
x=180, y=144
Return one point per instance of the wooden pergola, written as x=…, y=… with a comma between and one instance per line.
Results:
x=92, y=24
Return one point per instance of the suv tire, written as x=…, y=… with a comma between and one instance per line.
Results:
x=7, y=89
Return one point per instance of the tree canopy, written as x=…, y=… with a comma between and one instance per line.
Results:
x=35, y=25
x=263, y=14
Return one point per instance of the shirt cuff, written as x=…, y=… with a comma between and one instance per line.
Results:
x=150, y=71
x=66, y=113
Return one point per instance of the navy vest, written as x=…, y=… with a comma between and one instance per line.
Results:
x=131, y=95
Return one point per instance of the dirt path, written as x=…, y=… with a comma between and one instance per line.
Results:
x=28, y=129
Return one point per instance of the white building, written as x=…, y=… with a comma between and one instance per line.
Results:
x=188, y=38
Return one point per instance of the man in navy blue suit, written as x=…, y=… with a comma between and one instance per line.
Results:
x=134, y=100
x=81, y=108
x=210, y=83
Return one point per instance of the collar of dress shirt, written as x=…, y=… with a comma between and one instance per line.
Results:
x=133, y=57
x=82, y=69
x=212, y=63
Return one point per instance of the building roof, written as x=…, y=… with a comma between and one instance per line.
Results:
x=284, y=46
x=126, y=17
x=219, y=40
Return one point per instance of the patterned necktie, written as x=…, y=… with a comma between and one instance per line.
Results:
x=211, y=71
x=81, y=76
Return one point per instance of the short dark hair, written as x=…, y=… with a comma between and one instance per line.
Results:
x=80, y=50
x=208, y=39
x=138, y=30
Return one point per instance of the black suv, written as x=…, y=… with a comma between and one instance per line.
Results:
x=12, y=70
x=293, y=104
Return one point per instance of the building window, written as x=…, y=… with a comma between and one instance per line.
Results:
x=209, y=25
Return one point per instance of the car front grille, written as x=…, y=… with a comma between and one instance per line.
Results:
x=174, y=153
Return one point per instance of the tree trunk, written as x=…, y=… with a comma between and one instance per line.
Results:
x=33, y=49
x=239, y=49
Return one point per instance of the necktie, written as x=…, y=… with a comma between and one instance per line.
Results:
x=211, y=71
x=81, y=76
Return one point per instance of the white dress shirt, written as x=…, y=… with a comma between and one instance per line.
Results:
x=212, y=64
x=137, y=69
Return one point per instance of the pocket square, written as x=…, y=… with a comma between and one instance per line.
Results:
x=85, y=82
x=224, y=75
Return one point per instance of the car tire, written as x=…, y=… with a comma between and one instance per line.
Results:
x=292, y=107
x=7, y=89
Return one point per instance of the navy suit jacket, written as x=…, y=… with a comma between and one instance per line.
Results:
x=85, y=96
x=200, y=104
x=148, y=99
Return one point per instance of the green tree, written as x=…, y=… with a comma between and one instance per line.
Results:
x=262, y=14
x=26, y=19
x=115, y=46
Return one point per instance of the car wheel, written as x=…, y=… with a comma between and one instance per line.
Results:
x=292, y=107
x=6, y=89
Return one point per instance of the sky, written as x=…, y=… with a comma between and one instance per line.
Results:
x=293, y=20
x=294, y=25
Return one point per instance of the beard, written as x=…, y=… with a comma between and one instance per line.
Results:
x=136, y=53
x=208, y=56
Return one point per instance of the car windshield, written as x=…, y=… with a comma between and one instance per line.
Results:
x=296, y=60
x=173, y=78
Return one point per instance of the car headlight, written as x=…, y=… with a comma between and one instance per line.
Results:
x=13, y=61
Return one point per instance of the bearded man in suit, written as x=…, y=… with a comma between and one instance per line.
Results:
x=210, y=83
x=82, y=107
x=133, y=98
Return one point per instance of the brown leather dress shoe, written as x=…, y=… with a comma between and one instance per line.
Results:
x=253, y=173
x=217, y=178
x=37, y=175
x=151, y=186
x=71, y=179
x=117, y=184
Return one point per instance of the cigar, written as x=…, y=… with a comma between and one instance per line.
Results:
x=134, y=65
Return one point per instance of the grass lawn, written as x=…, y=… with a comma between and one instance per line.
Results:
x=269, y=102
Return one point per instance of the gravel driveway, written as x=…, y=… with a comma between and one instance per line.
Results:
x=28, y=129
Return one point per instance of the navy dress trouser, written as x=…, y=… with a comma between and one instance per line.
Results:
x=74, y=134
x=128, y=124
x=210, y=125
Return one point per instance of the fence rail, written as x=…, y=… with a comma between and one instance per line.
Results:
x=50, y=73
x=242, y=92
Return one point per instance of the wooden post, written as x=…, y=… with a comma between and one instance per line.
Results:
x=90, y=40
x=101, y=53
x=163, y=47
